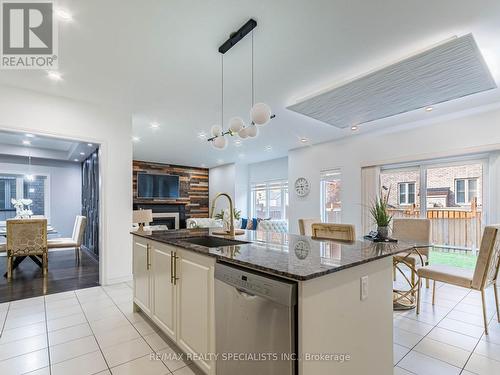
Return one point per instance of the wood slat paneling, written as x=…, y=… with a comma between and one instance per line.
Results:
x=193, y=186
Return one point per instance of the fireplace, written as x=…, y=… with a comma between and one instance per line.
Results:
x=171, y=214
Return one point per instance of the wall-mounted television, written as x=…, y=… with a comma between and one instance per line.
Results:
x=157, y=186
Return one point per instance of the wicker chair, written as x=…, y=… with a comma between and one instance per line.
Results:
x=26, y=237
x=484, y=275
x=341, y=232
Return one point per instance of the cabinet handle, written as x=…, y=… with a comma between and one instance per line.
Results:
x=148, y=257
x=172, y=267
x=174, y=275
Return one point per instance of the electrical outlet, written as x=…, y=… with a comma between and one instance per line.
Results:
x=364, y=288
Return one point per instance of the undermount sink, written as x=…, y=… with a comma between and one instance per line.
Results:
x=209, y=241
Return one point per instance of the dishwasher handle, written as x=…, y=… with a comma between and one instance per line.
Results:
x=245, y=294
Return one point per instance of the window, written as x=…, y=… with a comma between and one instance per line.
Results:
x=406, y=193
x=331, y=205
x=449, y=192
x=465, y=190
x=7, y=192
x=17, y=186
x=270, y=200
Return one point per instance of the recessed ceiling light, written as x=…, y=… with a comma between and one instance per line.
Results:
x=29, y=135
x=82, y=153
x=202, y=135
x=429, y=109
x=304, y=140
x=269, y=148
x=64, y=15
x=55, y=76
x=354, y=128
x=220, y=161
x=26, y=142
x=154, y=125
x=89, y=144
x=136, y=139
x=237, y=142
x=75, y=160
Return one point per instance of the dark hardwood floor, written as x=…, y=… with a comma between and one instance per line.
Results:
x=64, y=275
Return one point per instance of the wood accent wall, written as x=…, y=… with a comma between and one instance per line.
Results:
x=193, y=186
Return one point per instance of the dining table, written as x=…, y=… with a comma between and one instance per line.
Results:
x=18, y=260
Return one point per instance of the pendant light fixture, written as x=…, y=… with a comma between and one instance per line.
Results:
x=260, y=113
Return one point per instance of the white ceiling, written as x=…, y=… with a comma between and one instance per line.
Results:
x=158, y=60
x=14, y=144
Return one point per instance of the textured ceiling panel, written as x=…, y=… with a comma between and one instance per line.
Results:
x=449, y=71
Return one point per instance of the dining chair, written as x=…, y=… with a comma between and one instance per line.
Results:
x=484, y=275
x=76, y=239
x=26, y=237
x=413, y=231
x=305, y=226
x=342, y=232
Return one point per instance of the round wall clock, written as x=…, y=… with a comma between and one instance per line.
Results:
x=302, y=187
x=302, y=249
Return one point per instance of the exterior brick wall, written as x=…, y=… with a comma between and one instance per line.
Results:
x=440, y=184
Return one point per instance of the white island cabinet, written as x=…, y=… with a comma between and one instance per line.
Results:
x=343, y=318
x=175, y=289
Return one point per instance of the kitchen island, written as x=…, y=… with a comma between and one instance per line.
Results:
x=344, y=293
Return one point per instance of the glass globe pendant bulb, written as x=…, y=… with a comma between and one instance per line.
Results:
x=216, y=130
x=243, y=133
x=236, y=124
x=220, y=143
x=252, y=131
x=260, y=113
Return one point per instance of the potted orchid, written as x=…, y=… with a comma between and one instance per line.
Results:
x=22, y=206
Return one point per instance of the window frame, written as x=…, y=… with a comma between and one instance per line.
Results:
x=407, y=193
x=268, y=186
x=467, y=180
x=329, y=176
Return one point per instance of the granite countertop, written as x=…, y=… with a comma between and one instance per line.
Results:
x=282, y=254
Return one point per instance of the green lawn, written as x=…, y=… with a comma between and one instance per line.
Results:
x=451, y=258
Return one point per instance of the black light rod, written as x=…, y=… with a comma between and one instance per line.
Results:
x=238, y=35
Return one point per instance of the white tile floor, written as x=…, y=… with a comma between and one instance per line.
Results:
x=447, y=338
x=89, y=331
x=95, y=331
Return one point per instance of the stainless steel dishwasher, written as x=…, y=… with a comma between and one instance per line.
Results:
x=255, y=318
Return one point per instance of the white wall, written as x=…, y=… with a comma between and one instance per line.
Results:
x=222, y=180
x=65, y=184
x=451, y=137
x=44, y=114
x=241, y=189
x=275, y=169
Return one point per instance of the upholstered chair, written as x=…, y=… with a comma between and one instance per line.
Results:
x=75, y=241
x=484, y=275
x=413, y=231
x=341, y=232
x=305, y=226
x=26, y=237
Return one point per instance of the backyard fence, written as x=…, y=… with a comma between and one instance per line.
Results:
x=454, y=228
